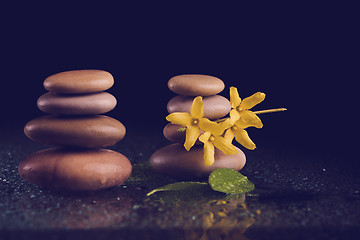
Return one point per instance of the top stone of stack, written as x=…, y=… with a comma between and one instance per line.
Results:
x=196, y=85
x=79, y=82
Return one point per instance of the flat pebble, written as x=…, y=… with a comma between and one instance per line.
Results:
x=196, y=85
x=79, y=104
x=175, y=161
x=79, y=81
x=215, y=106
x=76, y=169
x=81, y=131
x=172, y=134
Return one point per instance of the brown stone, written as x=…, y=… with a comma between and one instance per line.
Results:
x=196, y=85
x=79, y=104
x=175, y=161
x=172, y=134
x=79, y=81
x=215, y=106
x=76, y=169
x=82, y=131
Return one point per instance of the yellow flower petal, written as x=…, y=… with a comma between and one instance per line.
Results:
x=235, y=100
x=253, y=100
x=229, y=135
x=242, y=137
x=209, y=154
x=204, y=137
x=251, y=119
x=179, y=118
x=241, y=124
x=197, y=107
x=192, y=134
x=223, y=145
x=234, y=115
x=209, y=126
x=228, y=123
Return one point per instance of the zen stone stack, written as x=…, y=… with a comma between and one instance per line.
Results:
x=78, y=162
x=173, y=159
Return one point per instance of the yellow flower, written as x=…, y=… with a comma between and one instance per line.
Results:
x=241, y=117
x=194, y=122
x=241, y=108
x=241, y=136
x=210, y=141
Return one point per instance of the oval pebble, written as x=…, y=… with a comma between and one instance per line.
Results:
x=81, y=131
x=76, y=169
x=79, y=81
x=175, y=161
x=79, y=104
x=215, y=106
x=196, y=85
x=172, y=134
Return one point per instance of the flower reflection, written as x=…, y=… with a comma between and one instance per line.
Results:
x=224, y=220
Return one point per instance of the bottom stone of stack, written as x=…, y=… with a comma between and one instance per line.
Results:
x=175, y=161
x=76, y=169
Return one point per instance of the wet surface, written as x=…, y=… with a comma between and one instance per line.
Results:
x=294, y=198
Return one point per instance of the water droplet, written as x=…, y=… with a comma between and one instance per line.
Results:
x=135, y=207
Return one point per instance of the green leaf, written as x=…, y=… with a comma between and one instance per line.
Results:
x=178, y=186
x=227, y=180
x=181, y=129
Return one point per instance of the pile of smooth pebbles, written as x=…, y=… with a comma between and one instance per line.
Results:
x=174, y=159
x=79, y=162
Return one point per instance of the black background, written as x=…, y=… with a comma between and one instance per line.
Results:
x=303, y=56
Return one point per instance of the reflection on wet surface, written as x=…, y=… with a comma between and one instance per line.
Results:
x=79, y=211
x=198, y=214
x=201, y=215
x=225, y=220
x=288, y=202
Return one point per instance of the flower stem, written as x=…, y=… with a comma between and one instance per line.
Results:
x=270, y=110
x=220, y=120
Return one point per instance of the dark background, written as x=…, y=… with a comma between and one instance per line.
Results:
x=303, y=56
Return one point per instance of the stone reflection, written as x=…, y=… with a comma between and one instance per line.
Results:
x=225, y=219
x=103, y=209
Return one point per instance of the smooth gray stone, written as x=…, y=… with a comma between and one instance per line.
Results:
x=175, y=161
x=196, y=85
x=215, y=106
x=79, y=104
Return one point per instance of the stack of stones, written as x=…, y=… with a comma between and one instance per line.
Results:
x=174, y=159
x=74, y=102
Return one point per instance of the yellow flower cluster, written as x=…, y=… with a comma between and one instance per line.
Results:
x=221, y=133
